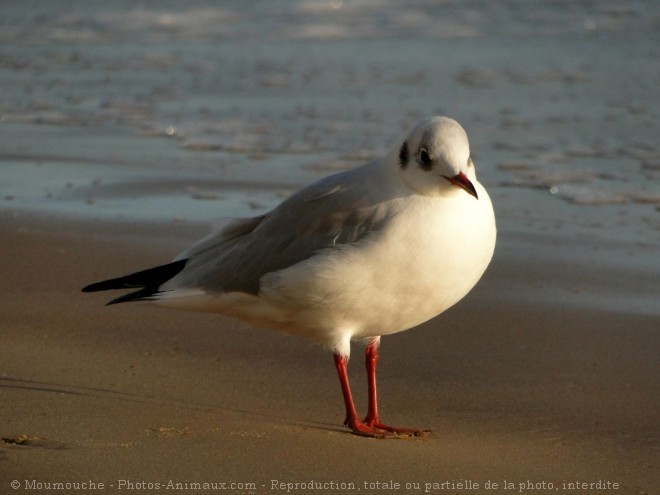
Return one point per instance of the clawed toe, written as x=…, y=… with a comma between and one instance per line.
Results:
x=398, y=431
x=379, y=430
x=364, y=430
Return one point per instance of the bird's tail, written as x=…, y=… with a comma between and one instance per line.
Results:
x=148, y=282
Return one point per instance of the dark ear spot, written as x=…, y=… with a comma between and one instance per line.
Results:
x=404, y=155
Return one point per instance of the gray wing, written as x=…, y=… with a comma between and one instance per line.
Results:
x=337, y=210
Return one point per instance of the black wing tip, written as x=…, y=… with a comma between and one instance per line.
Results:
x=146, y=294
x=147, y=281
x=99, y=286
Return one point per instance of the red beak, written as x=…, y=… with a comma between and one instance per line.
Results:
x=464, y=183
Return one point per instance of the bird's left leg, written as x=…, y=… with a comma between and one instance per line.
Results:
x=373, y=418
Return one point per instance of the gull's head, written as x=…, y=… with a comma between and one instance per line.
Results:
x=434, y=159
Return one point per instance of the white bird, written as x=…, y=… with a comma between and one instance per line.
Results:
x=364, y=253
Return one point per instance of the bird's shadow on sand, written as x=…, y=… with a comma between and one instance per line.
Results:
x=7, y=382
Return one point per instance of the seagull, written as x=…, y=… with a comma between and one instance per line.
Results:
x=364, y=253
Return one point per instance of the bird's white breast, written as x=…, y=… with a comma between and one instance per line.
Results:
x=431, y=254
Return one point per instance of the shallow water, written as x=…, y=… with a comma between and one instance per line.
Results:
x=191, y=112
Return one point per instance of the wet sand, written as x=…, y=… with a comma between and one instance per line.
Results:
x=514, y=392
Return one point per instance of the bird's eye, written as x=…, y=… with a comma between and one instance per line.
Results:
x=470, y=163
x=425, y=158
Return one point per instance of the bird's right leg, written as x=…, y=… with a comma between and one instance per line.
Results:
x=373, y=418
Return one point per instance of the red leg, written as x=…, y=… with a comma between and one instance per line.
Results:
x=373, y=418
x=371, y=360
x=352, y=420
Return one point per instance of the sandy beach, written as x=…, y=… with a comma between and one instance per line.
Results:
x=140, y=394
x=127, y=133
